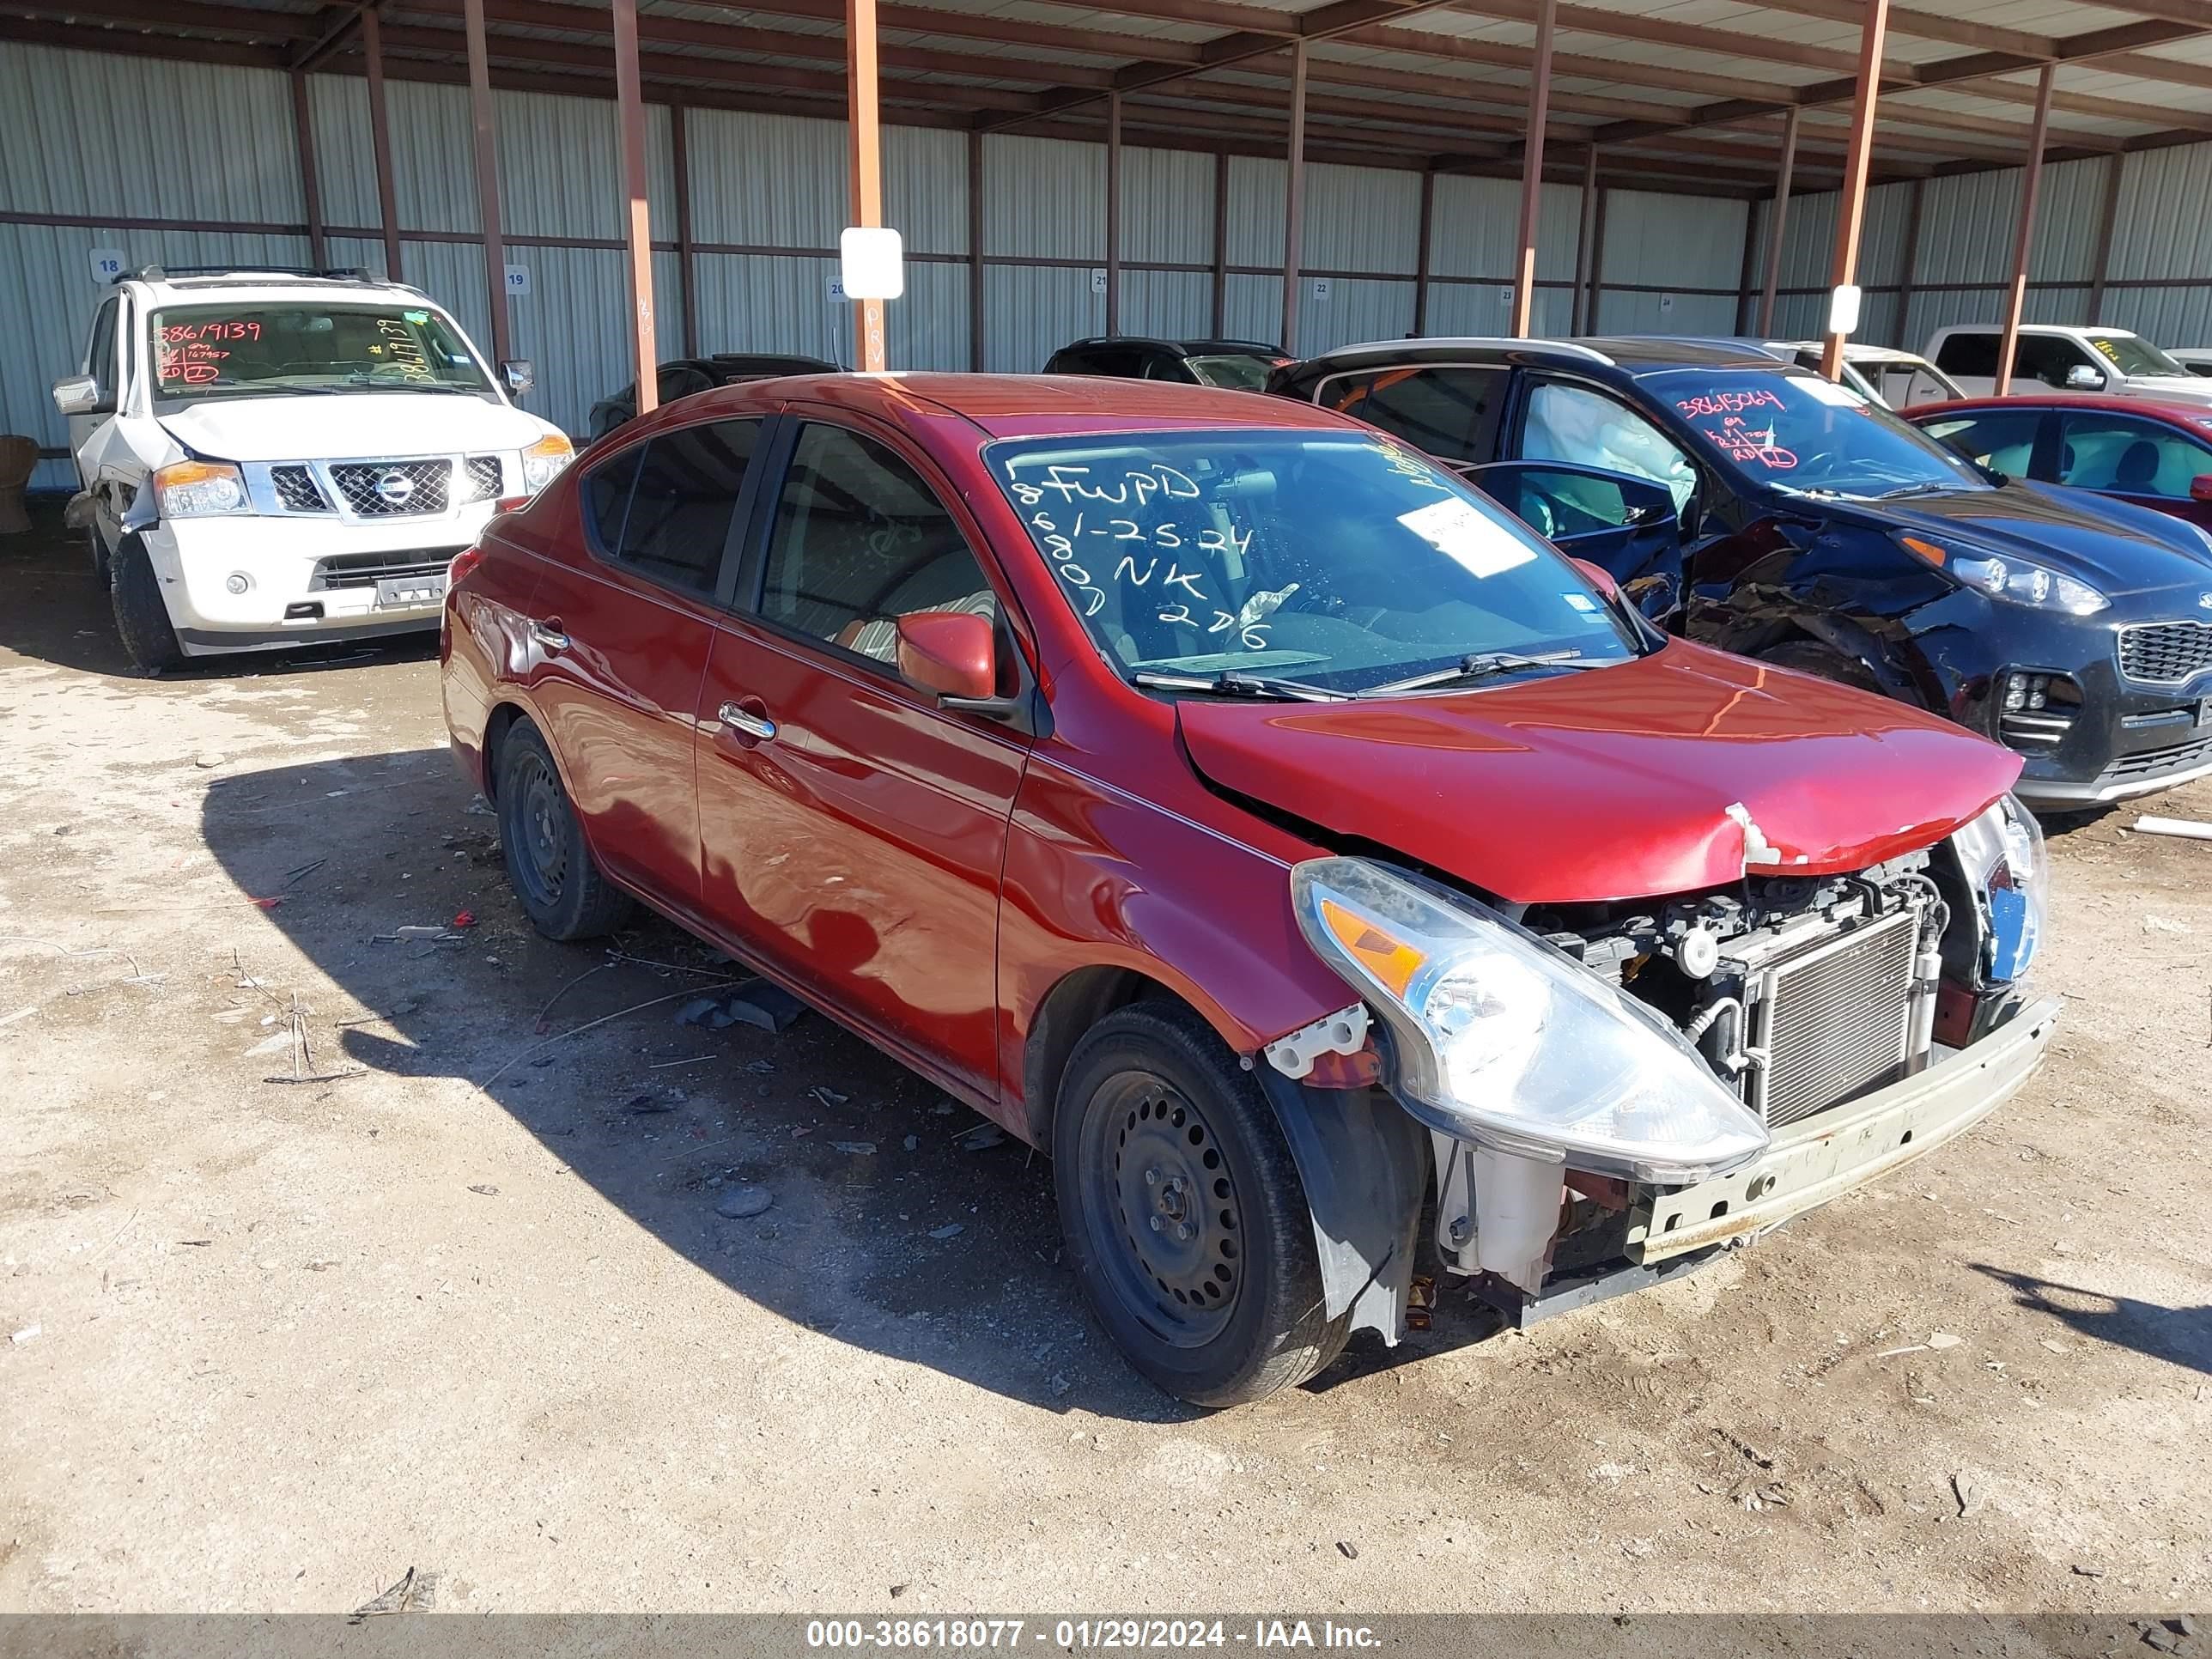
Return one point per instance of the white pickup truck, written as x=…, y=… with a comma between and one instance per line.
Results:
x=2054, y=355
x=271, y=458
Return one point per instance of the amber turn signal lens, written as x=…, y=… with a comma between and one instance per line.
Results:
x=1393, y=963
x=1927, y=550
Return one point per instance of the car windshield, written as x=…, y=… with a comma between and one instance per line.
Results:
x=1802, y=433
x=2133, y=354
x=275, y=350
x=1239, y=371
x=1337, y=560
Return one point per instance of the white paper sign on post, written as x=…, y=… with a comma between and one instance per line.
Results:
x=518, y=281
x=106, y=265
x=1321, y=288
x=872, y=261
x=1844, y=309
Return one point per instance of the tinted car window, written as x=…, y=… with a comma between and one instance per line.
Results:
x=2129, y=457
x=861, y=540
x=2047, y=357
x=1974, y=355
x=1784, y=429
x=685, y=496
x=99, y=358
x=605, y=491
x=1449, y=412
x=2003, y=439
x=1572, y=423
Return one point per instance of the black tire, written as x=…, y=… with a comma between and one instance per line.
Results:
x=141, y=615
x=548, y=865
x=1823, y=662
x=1158, y=1132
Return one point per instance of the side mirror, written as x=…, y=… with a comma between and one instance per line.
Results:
x=1600, y=577
x=2200, y=487
x=79, y=394
x=951, y=653
x=2082, y=378
x=518, y=376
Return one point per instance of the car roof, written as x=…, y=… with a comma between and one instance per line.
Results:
x=266, y=288
x=1635, y=353
x=1041, y=406
x=2038, y=328
x=2195, y=417
x=1218, y=347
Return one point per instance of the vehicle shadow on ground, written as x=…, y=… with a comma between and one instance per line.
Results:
x=887, y=1230
x=54, y=610
x=2182, y=1336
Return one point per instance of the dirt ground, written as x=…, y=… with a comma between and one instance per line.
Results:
x=468, y=1306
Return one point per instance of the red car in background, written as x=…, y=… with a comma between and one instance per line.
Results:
x=1228, y=799
x=2137, y=449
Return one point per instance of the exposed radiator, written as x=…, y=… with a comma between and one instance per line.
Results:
x=1834, y=1018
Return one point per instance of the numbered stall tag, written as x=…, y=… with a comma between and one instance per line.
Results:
x=518, y=281
x=106, y=265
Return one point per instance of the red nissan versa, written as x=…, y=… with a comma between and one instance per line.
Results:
x=1224, y=797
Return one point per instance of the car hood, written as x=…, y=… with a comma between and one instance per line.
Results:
x=2184, y=388
x=1675, y=772
x=2117, y=548
x=336, y=428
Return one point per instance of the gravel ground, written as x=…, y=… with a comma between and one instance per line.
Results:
x=468, y=1305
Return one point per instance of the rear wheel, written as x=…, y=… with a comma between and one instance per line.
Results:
x=141, y=615
x=1183, y=1212
x=547, y=863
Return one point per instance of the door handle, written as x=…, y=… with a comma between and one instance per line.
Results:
x=549, y=634
x=745, y=723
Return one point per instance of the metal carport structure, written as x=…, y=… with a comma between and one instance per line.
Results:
x=1765, y=102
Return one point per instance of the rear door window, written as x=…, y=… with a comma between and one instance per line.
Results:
x=684, y=503
x=860, y=540
x=2122, y=456
x=2001, y=439
x=1974, y=356
x=1447, y=410
x=666, y=508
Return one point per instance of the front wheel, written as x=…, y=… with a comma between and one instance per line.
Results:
x=1183, y=1213
x=141, y=615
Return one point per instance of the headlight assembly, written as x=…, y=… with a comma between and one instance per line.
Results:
x=543, y=461
x=2002, y=855
x=1503, y=1041
x=199, y=490
x=2017, y=580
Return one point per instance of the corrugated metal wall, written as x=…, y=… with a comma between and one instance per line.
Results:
x=767, y=196
x=2159, y=270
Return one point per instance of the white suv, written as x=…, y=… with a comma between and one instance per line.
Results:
x=274, y=458
x=2108, y=359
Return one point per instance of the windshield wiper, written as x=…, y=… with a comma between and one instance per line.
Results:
x=1926, y=486
x=1231, y=683
x=1481, y=665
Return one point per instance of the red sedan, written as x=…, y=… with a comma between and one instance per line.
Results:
x=2152, y=454
x=1226, y=799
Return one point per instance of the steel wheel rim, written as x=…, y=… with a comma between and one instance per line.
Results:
x=537, y=831
x=1162, y=1207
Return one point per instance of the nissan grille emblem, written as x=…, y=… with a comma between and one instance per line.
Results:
x=395, y=487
